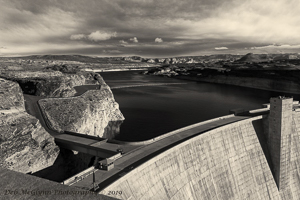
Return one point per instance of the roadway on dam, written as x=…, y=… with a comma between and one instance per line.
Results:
x=75, y=141
x=78, y=141
x=142, y=154
x=135, y=153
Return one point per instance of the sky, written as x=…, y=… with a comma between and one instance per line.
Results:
x=149, y=28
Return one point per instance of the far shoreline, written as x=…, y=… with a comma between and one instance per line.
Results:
x=118, y=69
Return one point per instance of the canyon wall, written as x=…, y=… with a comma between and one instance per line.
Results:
x=25, y=146
x=230, y=162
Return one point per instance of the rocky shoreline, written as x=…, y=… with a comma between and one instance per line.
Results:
x=265, y=79
x=88, y=114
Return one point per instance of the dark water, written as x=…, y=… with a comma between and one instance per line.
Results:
x=154, y=110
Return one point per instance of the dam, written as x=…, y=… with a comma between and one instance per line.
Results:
x=246, y=155
x=252, y=155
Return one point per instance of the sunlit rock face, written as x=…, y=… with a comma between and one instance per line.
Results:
x=89, y=113
x=112, y=129
x=25, y=146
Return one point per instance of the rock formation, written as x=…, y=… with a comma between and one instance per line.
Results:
x=56, y=81
x=89, y=113
x=250, y=57
x=24, y=144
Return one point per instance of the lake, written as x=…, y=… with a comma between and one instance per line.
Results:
x=151, y=111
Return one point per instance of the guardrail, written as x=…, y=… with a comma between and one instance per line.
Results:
x=145, y=142
x=80, y=176
x=86, y=136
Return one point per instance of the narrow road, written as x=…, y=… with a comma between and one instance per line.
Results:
x=33, y=109
x=73, y=142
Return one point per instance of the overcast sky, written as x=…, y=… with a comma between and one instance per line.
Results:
x=149, y=28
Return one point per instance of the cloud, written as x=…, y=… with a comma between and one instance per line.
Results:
x=100, y=36
x=158, y=40
x=187, y=24
x=23, y=27
x=221, y=48
x=77, y=37
x=112, y=51
x=123, y=42
x=278, y=46
x=94, y=36
x=134, y=39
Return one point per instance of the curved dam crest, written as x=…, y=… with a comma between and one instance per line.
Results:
x=229, y=162
x=202, y=168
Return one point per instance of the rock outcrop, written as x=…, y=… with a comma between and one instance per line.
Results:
x=89, y=113
x=56, y=81
x=24, y=144
x=250, y=57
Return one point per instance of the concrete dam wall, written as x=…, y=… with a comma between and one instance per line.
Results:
x=230, y=162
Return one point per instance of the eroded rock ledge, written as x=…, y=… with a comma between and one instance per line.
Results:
x=56, y=81
x=89, y=113
x=25, y=146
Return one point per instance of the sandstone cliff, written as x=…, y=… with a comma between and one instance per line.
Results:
x=89, y=113
x=24, y=144
x=56, y=81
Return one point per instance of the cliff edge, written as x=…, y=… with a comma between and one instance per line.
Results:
x=24, y=144
x=91, y=113
x=53, y=81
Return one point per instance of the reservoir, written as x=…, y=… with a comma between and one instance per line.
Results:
x=151, y=111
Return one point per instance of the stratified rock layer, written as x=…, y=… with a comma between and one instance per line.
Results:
x=24, y=144
x=89, y=113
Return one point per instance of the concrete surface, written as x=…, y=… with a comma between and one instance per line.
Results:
x=223, y=163
x=142, y=154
